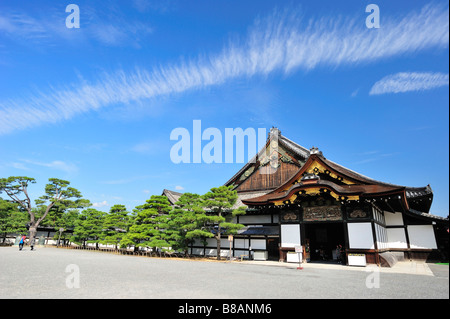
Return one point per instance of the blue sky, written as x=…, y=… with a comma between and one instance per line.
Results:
x=96, y=105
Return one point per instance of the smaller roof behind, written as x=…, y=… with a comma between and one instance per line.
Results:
x=172, y=196
x=260, y=230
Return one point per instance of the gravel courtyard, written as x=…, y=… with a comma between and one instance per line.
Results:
x=67, y=274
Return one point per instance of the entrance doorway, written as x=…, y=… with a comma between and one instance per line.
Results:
x=273, y=248
x=323, y=239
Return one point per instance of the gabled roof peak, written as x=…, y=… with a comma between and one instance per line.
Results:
x=315, y=150
x=274, y=131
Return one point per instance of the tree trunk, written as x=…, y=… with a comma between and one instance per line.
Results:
x=33, y=231
x=218, y=247
x=219, y=233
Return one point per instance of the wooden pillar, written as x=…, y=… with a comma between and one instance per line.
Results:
x=347, y=241
x=405, y=223
x=375, y=243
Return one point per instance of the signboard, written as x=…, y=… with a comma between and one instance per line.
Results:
x=290, y=235
x=299, y=251
x=292, y=257
x=357, y=260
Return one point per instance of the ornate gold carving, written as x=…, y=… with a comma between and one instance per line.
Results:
x=293, y=198
x=358, y=213
x=316, y=168
x=278, y=203
x=322, y=213
x=289, y=216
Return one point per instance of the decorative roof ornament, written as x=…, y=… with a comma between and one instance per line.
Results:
x=315, y=150
x=310, y=177
x=274, y=132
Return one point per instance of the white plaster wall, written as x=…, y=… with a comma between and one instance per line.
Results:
x=198, y=242
x=261, y=219
x=211, y=242
x=360, y=235
x=382, y=241
x=197, y=251
x=422, y=236
x=258, y=244
x=241, y=243
x=393, y=219
x=397, y=238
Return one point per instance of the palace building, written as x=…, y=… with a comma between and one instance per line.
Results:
x=296, y=198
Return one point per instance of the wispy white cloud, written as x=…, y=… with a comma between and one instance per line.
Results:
x=282, y=42
x=150, y=147
x=22, y=26
x=49, y=28
x=161, y=6
x=20, y=166
x=100, y=204
x=372, y=156
x=56, y=165
x=32, y=165
x=117, y=34
x=409, y=81
x=127, y=180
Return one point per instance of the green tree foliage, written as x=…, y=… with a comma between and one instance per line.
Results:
x=219, y=202
x=67, y=222
x=16, y=187
x=12, y=219
x=88, y=227
x=60, y=216
x=115, y=225
x=187, y=220
x=148, y=229
x=158, y=226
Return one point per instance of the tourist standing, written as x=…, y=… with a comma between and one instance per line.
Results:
x=32, y=243
x=338, y=253
x=22, y=242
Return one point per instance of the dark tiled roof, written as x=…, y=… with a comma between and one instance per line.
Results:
x=172, y=196
x=260, y=230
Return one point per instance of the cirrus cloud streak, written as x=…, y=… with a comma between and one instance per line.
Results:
x=283, y=42
x=409, y=81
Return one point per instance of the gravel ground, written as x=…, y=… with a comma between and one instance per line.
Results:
x=51, y=273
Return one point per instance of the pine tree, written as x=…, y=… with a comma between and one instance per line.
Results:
x=57, y=190
x=12, y=218
x=115, y=225
x=89, y=227
x=187, y=221
x=219, y=202
x=149, y=225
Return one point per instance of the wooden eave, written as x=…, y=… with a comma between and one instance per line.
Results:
x=354, y=185
x=361, y=191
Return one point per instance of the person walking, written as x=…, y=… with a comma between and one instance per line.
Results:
x=338, y=253
x=22, y=242
x=32, y=243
